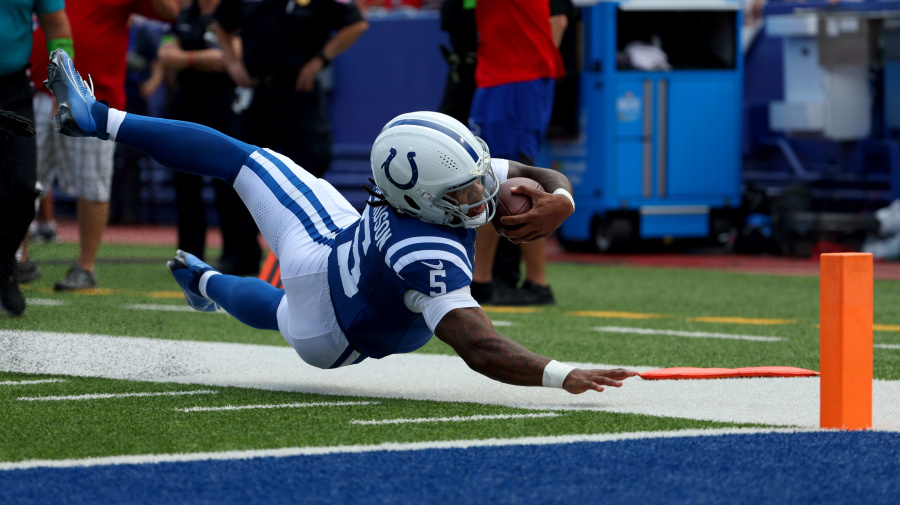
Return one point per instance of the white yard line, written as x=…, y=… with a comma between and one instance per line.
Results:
x=690, y=334
x=275, y=406
x=418, y=376
x=25, y=383
x=103, y=396
x=150, y=459
x=502, y=323
x=47, y=302
x=887, y=346
x=160, y=306
x=454, y=419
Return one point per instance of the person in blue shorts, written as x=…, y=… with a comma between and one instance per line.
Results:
x=355, y=286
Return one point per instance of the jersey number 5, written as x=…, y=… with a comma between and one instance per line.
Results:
x=438, y=287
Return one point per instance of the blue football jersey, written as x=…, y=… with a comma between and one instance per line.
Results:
x=381, y=257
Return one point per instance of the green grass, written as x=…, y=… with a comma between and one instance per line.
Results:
x=137, y=275
x=150, y=425
x=133, y=275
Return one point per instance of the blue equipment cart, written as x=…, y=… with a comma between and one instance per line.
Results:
x=659, y=149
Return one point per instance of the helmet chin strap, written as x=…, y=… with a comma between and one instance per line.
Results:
x=476, y=221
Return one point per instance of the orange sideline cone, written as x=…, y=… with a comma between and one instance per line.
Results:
x=271, y=271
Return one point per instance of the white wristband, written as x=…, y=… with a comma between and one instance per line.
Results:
x=562, y=191
x=555, y=374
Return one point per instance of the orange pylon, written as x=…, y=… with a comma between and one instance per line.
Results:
x=845, y=341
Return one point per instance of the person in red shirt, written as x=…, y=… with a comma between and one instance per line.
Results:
x=518, y=62
x=84, y=170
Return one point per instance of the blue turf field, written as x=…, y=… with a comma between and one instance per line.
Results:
x=798, y=468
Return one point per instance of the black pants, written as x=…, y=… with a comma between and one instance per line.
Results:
x=124, y=201
x=459, y=90
x=18, y=169
x=241, y=253
x=507, y=261
x=289, y=122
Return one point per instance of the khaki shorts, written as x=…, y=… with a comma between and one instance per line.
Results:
x=83, y=167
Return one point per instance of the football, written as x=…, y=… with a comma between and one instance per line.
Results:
x=511, y=204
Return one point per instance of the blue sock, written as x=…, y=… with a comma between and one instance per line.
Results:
x=251, y=301
x=185, y=147
x=100, y=113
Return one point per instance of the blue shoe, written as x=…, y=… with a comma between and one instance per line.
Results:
x=74, y=98
x=187, y=270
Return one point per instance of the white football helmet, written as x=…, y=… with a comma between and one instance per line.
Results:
x=419, y=157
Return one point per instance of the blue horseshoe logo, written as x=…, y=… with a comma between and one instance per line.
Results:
x=412, y=163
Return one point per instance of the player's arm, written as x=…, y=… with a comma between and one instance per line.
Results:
x=55, y=25
x=342, y=40
x=549, y=208
x=228, y=19
x=558, y=25
x=174, y=58
x=57, y=34
x=470, y=333
x=230, y=44
x=166, y=9
x=559, y=19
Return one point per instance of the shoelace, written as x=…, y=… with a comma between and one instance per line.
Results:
x=91, y=79
x=84, y=83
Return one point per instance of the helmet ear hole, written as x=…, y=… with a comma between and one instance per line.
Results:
x=412, y=203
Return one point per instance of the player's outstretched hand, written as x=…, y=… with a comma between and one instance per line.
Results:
x=16, y=124
x=548, y=211
x=578, y=381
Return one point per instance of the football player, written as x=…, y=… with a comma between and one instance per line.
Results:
x=355, y=286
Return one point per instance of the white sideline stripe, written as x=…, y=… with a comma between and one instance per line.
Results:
x=888, y=346
x=455, y=418
x=25, y=383
x=769, y=401
x=116, y=395
x=47, y=302
x=159, y=306
x=150, y=459
x=502, y=323
x=691, y=334
x=275, y=406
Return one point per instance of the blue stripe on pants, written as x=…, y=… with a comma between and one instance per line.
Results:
x=288, y=202
x=343, y=357
x=304, y=189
